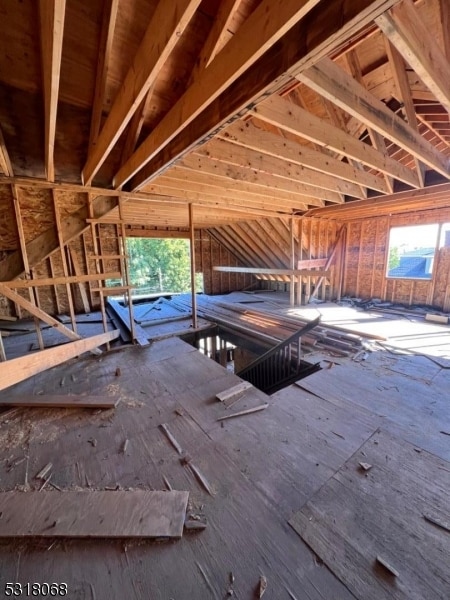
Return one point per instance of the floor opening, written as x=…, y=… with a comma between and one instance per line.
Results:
x=252, y=360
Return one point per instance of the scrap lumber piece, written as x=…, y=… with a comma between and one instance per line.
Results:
x=436, y=318
x=18, y=369
x=233, y=391
x=123, y=314
x=93, y=514
x=437, y=521
x=200, y=478
x=30, y=401
x=248, y=411
x=387, y=566
x=171, y=438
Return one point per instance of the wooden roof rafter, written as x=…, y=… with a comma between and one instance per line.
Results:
x=265, y=26
x=407, y=32
x=51, y=15
x=325, y=28
x=305, y=124
x=228, y=153
x=216, y=37
x=161, y=36
x=5, y=162
x=110, y=8
x=329, y=79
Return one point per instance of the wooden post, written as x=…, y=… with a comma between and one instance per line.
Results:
x=98, y=263
x=64, y=261
x=386, y=259
x=26, y=265
x=192, y=248
x=55, y=287
x=300, y=256
x=125, y=271
x=2, y=349
x=77, y=271
x=292, y=284
x=435, y=267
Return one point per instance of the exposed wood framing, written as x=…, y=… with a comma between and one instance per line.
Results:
x=51, y=14
x=294, y=119
x=37, y=312
x=18, y=369
x=407, y=32
x=216, y=37
x=77, y=272
x=223, y=151
x=160, y=38
x=330, y=80
x=29, y=283
x=192, y=260
x=104, y=53
x=62, y=249
x=444, y=7
x=323, y=30
x=26, y=265
x=404, y=95
x=5, y=163
x=376, y=139
x=264, y=271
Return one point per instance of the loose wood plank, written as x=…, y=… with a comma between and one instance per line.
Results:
x=29, y=401
x=233, y=391
x=21, y=368
x=104, y=514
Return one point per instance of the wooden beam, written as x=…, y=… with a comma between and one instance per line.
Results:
x=313, y=263
x=192, y=261
x=28, y=283
x=135, y=127
x=93, y=514
x=265, y=26
x=104, y=54
x=401, y=80
x=26, y=265
x=444, y=7
x=37, y=312
x=54, y=401
x=51, y=14
x=322, y=31
x=329, y=261
x=216, y=37
x=251, y=137
x=329, y=80
x=47, y=242
x=292, y=118
x=258, y=180
x=156, y=233
x=233, y=154
x=257, y=271
x=376, y=139
x=5, y=163
x=77, y=272
x=166, y=26
x=417, y=44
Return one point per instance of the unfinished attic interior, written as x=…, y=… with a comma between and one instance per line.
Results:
x=277, y=422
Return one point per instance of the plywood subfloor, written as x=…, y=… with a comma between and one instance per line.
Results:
x=384, y=512
x=261, y=468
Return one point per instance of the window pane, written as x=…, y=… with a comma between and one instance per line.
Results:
x=411, y=251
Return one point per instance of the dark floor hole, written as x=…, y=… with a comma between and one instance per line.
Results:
x=245, y=355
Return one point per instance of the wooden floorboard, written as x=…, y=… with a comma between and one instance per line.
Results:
x=86, y=514
x=359, y=515
x=261, y=468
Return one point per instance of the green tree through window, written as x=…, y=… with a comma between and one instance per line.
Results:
x=160, y=265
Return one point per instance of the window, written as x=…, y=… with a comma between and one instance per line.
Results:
x=412, y=250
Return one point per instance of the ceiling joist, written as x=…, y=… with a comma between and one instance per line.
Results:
x=165, y=28
x=228, y=153
x=104, y=54
x=51, y=16
x=328, y=79
x=296, y=120
x=265, y=26
x=407, y=32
